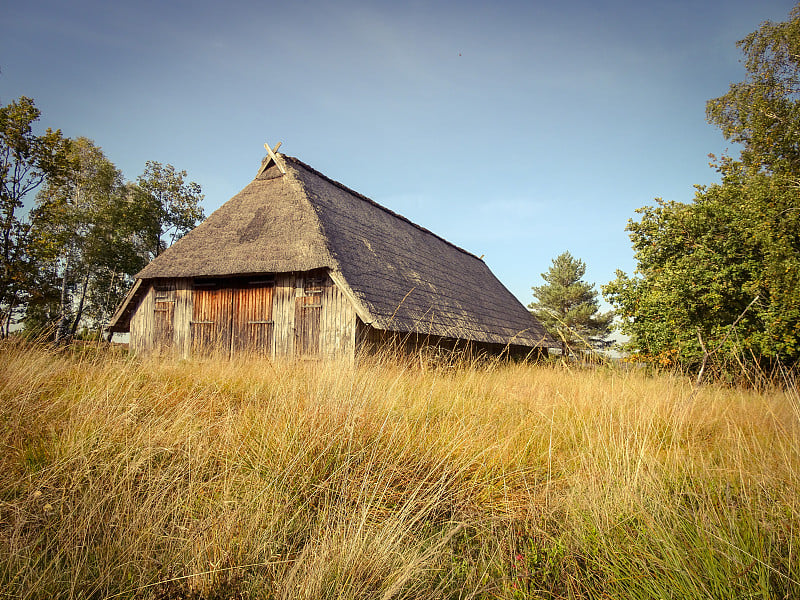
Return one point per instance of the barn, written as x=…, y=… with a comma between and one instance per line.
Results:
x=299, y=265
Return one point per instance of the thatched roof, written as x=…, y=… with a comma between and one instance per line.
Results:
x=401, y=276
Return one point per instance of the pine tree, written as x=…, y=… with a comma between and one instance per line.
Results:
x=567, y=306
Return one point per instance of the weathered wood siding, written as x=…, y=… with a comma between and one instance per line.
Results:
x=287, y=314
x=163, y=315
x=212, y=311
x=308, y=310
x=252, y=325
x=313, y=317
x=182, y=318
x=160, y=321
x=283, y=312
x=141, y=337
x=232, y=317
x=337, y=322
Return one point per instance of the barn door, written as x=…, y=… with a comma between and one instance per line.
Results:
x=252, y=318
x=232, y=317
x=308, y=310
x=163, y=315
x=211, y=319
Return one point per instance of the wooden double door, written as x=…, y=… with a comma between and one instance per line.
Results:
x=232, y=318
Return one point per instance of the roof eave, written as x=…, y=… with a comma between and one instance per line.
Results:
x=120, y=322
x=359, y=307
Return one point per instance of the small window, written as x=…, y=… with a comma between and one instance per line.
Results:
x=164, y=291
x=313, y=285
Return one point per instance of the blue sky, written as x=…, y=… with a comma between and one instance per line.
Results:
x=516, y=130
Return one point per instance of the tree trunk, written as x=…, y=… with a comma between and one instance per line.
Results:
x=5, y=326
x=63, y=322
x=105, y=316
x=79, y=312
x=5, y=294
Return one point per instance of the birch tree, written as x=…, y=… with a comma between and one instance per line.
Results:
x=174, y=203
x=26, y=161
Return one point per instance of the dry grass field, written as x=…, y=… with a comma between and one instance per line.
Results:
x=125, y=478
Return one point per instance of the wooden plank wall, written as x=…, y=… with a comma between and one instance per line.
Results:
x=252, y=320
x=337, y=323
x=141, y=338
x=211, y=321
x=283, y=313
x=160, y=322
x=308, y=310
x=182, y=317
x=329, y=331
x=163, y=315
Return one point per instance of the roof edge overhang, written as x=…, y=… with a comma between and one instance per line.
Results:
x=361, y=311
x=123, y=311
x=520, y=339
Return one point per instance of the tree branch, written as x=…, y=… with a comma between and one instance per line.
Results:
x=707, y=354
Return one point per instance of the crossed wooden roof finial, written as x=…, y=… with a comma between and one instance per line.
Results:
x=272, y=157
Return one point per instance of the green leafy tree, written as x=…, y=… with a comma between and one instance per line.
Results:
x=762, y=113
x=89, y=229
x=731, y=256
x=567, y=306
x=721, y=275
x=26, y=160
x=65, y=224
x=120, y=248
x=173, y=202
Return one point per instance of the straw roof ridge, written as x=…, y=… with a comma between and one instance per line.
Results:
x=372, y=202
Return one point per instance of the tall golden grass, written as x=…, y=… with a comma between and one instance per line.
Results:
x=124, y=478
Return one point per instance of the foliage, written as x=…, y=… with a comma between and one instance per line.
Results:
x=763, y=112
x=174, y=203
x=567, y=306
x=26, y=160
x=86, y=230
x=721, y=274
x=700, y=265
x=74, y=256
